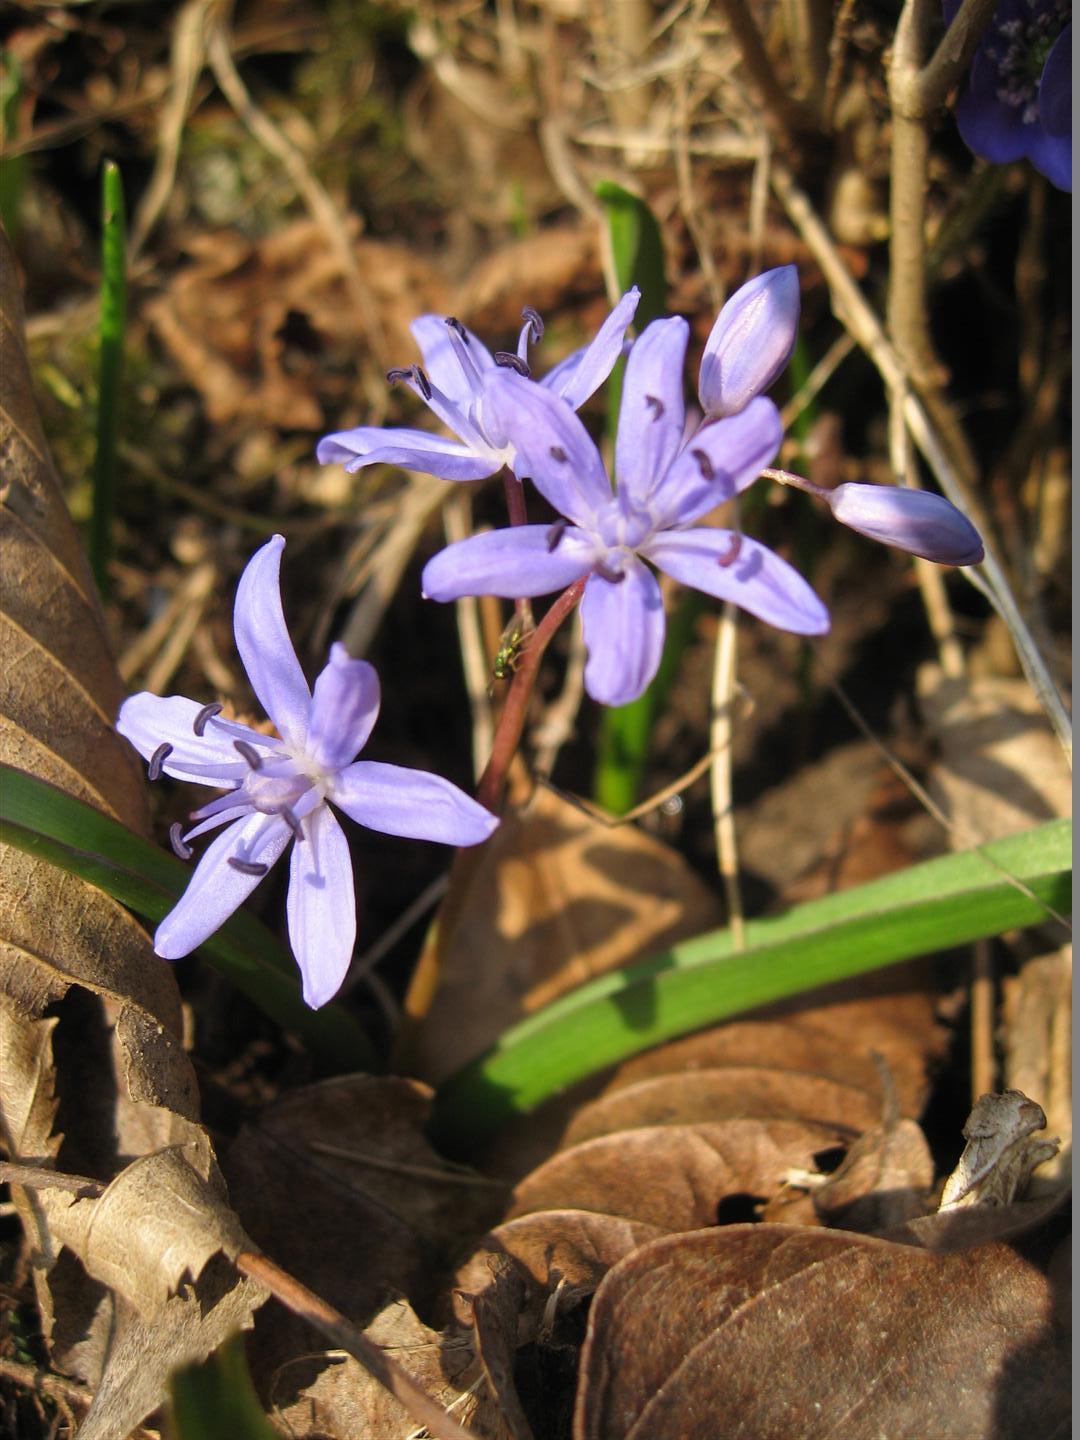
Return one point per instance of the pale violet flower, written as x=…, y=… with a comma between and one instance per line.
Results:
x=750, y=343
x=917, y=521
x=663, y=487
x=451, y=383
x=279, y=785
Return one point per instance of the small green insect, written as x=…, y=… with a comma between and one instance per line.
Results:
x=511, y=643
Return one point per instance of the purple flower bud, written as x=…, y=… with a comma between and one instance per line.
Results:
x=750, y=343
x=914, y=520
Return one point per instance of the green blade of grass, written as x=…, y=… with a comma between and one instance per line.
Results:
x=49, y=823
x=216, y=1400
x=110, y=369
x=637, y=248
x=933, y=906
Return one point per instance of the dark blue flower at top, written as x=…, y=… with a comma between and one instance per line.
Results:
x=1018, y=101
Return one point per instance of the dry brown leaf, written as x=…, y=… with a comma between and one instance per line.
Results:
x=555, y=899
x=831, y=1036
x=1001, y=769
x=247, y=320
x=759, y=1331
x=496, y=1311
x=344, y=1401
x=674, y=1176
x=158, y=1222
x=573, y=1249
x=379, y=1210
x=883, y=1180
x=745, y=1091
x=103, y=1078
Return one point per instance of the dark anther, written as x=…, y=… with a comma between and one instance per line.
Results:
x=615, y=577
x=656, y=405
x=411, y=372
x=510, y=361
x=205, y=715
x=293, y=823
x=247, y=867
x=453, y=323
x=558, y=453
x=537, y=325
x=250, y=754
x=555, y=534
x=705, y=465
x=157, y=760
x=731, y=554
x=422, y=380
x=176, y=840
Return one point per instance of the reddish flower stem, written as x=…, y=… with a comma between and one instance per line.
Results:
x=512, y=719
x=515, y=498
x=515, y=509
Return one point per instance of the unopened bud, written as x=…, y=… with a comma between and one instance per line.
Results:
x=918, y=521
x=750, y=343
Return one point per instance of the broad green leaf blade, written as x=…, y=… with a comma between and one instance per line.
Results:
x=44, y=821
x=933, y=906
x=217, y=1401
x=111, y=331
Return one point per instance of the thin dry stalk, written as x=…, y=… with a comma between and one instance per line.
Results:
x=853, y=311
x=725, y=666
x=331, y=1323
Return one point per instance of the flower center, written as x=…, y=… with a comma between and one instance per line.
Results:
x=1019, y=50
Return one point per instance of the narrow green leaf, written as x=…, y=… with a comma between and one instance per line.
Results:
x=217, y=1401
x=111, y=332
x=47, y=822
x=637, y=247
x=934, y=906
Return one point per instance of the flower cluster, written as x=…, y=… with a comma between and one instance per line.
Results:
x=1018, y=100
x=673, y=468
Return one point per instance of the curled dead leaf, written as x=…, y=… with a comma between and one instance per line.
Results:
x=769, y=1330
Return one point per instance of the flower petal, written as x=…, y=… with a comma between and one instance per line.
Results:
x=552, y=446
x=398, y=801
x=150, y=721
x=442, y=363
x=511, y=563
x=264, y=645
x=914, y=520
x=216, y=889
x=624, y=634
x=751, y=341
x=581, y=374
x=719, y=460
x=653, y=410
x=321, y=907
x=411, y=449
x=1055, y=87
x=734, y=567
x=344, y=709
